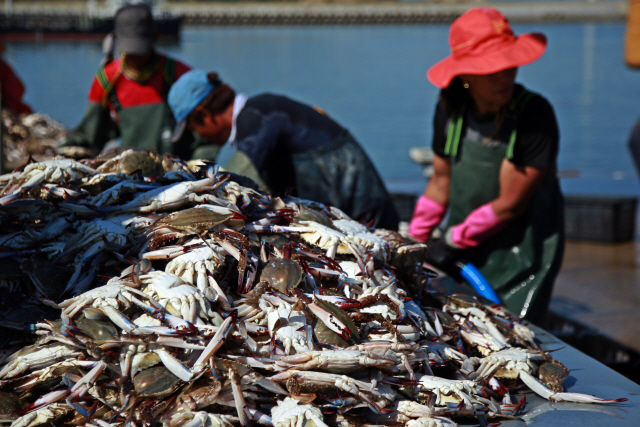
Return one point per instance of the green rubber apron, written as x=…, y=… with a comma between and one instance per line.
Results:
x=157, y=117
x=521, y=261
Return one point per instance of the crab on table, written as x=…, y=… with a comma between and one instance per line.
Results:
x=524, y=364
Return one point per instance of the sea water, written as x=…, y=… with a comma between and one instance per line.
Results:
x=372, y=80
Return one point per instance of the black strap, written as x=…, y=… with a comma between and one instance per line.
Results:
x=454, y=134
x=169, y=73
x=516, y=113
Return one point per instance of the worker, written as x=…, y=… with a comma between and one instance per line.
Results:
x=12, y=88
x=496, y=145
x=127, y=98
x=286, y=147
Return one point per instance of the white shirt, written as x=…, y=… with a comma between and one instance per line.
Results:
x=238, y=105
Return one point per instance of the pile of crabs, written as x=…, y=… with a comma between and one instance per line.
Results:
x=138, y=289
x=33, y=134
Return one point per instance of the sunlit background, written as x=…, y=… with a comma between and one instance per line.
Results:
x=372, y=80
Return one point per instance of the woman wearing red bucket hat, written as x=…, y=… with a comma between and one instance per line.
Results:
x=495, y=146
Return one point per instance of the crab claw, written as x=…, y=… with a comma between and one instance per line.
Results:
x=47, y=399
x=337, y=402
x=342, y=302
x=215, y=343
x=522, y=403
x=82, y=386
x=5, y=200
x=85, y=412
x=341, y=284
x=238, y=215
x=400, y=381
x=541, y=390
x=275, y=345
x=166, y=252
x=178, y=325
x=330, y=321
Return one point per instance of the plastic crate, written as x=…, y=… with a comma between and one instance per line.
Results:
x=600, y=218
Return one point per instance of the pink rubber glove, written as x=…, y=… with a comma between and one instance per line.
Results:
x=426, y=215
x=479, y=225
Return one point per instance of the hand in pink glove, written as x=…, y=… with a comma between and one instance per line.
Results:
x=478, y=226
x=426, y=215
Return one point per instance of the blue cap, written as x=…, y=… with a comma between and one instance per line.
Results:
x=185, y=95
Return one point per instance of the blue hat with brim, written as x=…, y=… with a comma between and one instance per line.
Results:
x=185, y=95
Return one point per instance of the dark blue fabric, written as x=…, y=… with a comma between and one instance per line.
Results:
x=271, y=121
x=538, y=135
x=273, y=128
x=301, y=152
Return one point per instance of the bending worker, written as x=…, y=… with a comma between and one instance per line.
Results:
x=127, y=99
x=495, y=146
x=285, y=146
x=12, y=88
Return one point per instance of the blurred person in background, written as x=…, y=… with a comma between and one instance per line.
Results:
x=127, y=98
x=496, y=145
x=12, y=88
x=286, y=147
x=108, y=50
x=634, y=145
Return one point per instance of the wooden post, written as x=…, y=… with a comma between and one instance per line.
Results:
x=632, y=35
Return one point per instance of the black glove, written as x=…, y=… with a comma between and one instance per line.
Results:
x=444, y=257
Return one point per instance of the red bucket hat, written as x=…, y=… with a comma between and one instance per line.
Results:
x=482, y=42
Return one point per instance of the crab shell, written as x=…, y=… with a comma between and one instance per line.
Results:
x=553, y=374
x=282, y=274
x=155, y=382
x=324, y=237
x=9, y=403
x=148, y=162
x=288, y=411
x=197, y=220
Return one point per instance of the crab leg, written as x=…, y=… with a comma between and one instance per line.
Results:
x=260, y=418
x=432, y=421
x=342, y=382
x=238, y=399
x=336, y=359
x=98, y=423
x=542, y=391
x=38, y=359
x=78, y=390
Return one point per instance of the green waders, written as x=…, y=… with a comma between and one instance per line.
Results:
x=521, y=261
x=153, y=137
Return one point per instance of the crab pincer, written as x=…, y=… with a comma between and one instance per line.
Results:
x=331, y=316
x=199, y=367
x=543, y=391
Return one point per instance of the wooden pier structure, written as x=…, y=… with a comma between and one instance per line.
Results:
x=45, y=18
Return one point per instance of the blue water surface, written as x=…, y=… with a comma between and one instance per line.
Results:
x=372, y=80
